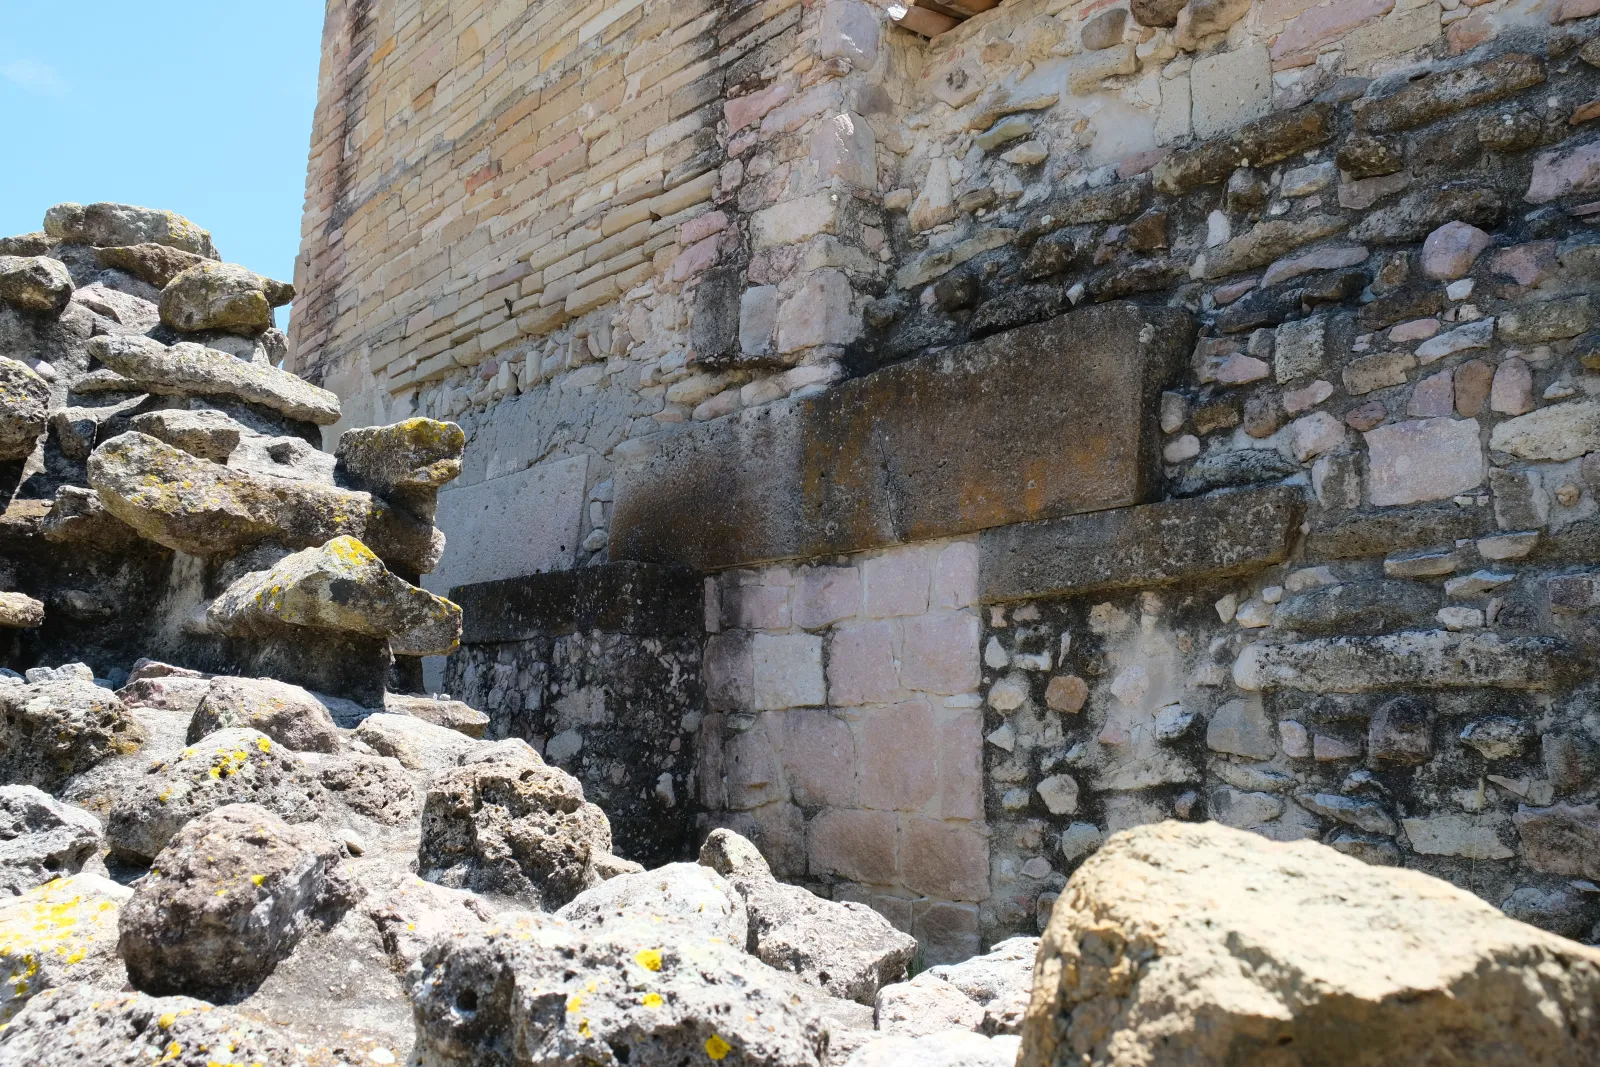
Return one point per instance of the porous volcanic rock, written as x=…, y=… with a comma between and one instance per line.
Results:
x=189, y=369
x=1195, y=944
x=51, y=730
x=42, y=839
x=222, y=296
x=288, y=714
x=58, y=934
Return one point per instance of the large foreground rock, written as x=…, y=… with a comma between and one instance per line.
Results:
x=90, y=1024
x=949, y=1049
x=51, y=730
x=340, y=586
x=419, y=745
x=987, y=994
x=288, y=714
x=205, y=509
x=227, y=900
x=533, y=991
x=237, y=766
x=58, y=934
x=1201, y=945
x=683, y=893
x=42, y=839
x=189, y=369
x=510, y=825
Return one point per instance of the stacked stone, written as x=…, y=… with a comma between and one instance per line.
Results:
x=153, y=430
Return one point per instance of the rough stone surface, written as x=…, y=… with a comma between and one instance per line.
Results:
x=1395, y=959
x=42, y=839
x=287, y=714
x=189, y=369
x=507, y=824
x=238, y=766
x=53, y=729
x=686, y=894
x=1428, y=658
x=222, y=296
x=114, y=225
x=560, y=995
x=60, y=933
x=35, y=285
x=228, y=899
x=24, y=397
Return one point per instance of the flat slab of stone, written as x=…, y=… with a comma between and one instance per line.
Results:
x=1052, y=419
x=1431, y=659
x=1156, y=544
x=632, y=598
x=194, y=370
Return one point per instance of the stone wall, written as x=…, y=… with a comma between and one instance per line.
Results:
x=1246, y=347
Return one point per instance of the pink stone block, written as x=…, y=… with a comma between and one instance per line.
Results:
x=1296, y=742
x=1527, y=264
x=939, y=654
x=944, y=859
x=819, y=759
x=700, y=227
x=755, y=607
x=1430, y=459
x=947, y=933
x=1452, y=249
x=1415, y=330
x=955, y=576
x=858, y=845
x=1512, y=392
x=961, y=765
x=1297, y=400
x=1309, y=31
x=897, y=583
x=899, y=767
x=861, y=665
x=1241, y=370
x=824, y=595
x=741, y=111
x=1434, y=396
x=1574, y=169
x=696, y=258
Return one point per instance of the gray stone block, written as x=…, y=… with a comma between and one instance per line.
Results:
x=1158, y=544
x=1051, y=419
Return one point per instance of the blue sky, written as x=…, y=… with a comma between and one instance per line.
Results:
x=202, y=107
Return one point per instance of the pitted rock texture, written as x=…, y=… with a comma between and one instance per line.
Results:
x=52, y=729
x=234, y=766
x=341, y=586
x=407, y=462
x=1201, y=945
x=228, y=899
x=42, y=839
x=506, y=824
x=682, y=893
x=94, y=1024
x=24, y=400
x=115, y=225
x=59, y=934
x=38, y=285
x=285, y=713
x=538, y=992
x=938, y=1050
x=18, y=611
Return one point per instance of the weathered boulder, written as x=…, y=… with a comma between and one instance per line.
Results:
x=227, y=900
x=24, y=409
x=151, y=263
x=85, y=1024
x=227, y=767
x=109, y=225
x=288, y=714
x=188, y=369
x=375, y=787
x=686, y=894
x=534, y=991
x=987, y=993
x=948, y=1049
x=843, y=948
x=418, y=745
x=53, y=729
x=19, y=611
x=204, y=509
x=38, y=285
x=1194, y=944
x=440, y=711
x=340, y=586
x=42, y=839
x=411, y=915
x=203, y=434
x=407, y=462
x=58, y=934
x=79, y=518
x=222, y=296
x=508, y=824
x=174, y=693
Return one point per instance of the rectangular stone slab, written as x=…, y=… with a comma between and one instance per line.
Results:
x=1213, y=536
x=1052, y=419
x=632, y=598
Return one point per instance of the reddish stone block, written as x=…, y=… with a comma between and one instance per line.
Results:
x=940, y=654
x=896, y=584
x=899, y=766
x=819, y=759
x=944, y=859
x=824, y=595
x=858, y=845
x=961, y=765
x=861, y=667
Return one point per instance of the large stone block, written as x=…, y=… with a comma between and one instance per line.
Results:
x=948, y=443
x=518, y=524
x=1158, y=544
x=631, y=598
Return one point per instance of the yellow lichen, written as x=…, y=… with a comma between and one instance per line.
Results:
x=649, y=959
x=717, y=1048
